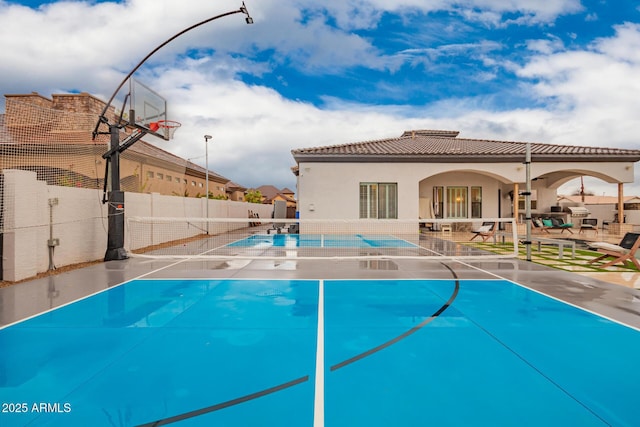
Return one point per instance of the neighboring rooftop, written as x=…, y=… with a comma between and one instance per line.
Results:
x=270, y=192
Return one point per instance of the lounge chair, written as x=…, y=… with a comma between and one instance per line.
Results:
x=538, y=226
x=621, y=253
x=589, y=224
x=486, y=230
x=557, y=224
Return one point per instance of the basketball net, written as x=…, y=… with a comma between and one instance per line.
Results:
x=168, y=127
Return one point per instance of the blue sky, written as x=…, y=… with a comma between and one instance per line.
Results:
x=311, y=73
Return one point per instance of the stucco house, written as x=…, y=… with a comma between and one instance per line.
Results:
x=436, y=174
x=235, y=191
x=53, y=137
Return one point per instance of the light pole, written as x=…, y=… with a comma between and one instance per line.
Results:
x=206, y=174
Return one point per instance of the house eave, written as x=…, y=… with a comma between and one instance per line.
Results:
x=461, y=158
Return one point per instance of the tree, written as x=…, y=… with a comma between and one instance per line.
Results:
x=253, y=196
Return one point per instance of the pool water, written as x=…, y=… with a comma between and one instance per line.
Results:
x=323, y=241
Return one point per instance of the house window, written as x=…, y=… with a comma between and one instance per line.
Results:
x=178, y=180
x=169, y=178
x=160, y=175
x=522, y=201
x=193, y=183
x=476, y=202
x=457, y=202
x=438, y=201
x=378, y=200
x=149, y=174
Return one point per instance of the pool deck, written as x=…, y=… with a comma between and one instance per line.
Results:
x=611, y=300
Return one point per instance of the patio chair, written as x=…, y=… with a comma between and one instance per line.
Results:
x=538, y=226
x=557, y=224
x=589, y=224
x=486, y=230
x=621, y=253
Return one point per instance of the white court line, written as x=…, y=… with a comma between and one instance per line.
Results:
x=92, y=294
x=318, y=403
x=619, y=322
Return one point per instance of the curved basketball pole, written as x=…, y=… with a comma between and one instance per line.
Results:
x=103, y=119
x=115, y=239
x=303, y=379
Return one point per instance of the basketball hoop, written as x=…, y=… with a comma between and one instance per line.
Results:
x=168, y=127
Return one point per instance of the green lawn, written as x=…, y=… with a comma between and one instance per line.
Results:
x=548, y=256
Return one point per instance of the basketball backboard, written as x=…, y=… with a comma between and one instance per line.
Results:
x=147, y=109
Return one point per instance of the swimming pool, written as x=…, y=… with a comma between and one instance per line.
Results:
x=318, y=352
x=323, y=241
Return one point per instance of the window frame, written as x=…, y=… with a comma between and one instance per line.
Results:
x=458, y=202
x=374, y=203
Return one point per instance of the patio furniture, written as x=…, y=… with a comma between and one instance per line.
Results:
x=589, y=224
x=538, y=226
x=557, y=224
x=560, y=243
x=621, y=253
x=557, y=242
x=485, y=231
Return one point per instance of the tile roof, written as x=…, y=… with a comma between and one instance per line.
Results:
x=233, y=186
x=444, y=146
x=144, y=148
x=79, y=138
x=270, y=192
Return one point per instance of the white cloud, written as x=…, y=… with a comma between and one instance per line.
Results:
x=593, y=95
x=546, y=46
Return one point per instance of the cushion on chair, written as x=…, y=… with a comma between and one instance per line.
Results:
x=483, y=229
x=547, y=223
x=608, y=247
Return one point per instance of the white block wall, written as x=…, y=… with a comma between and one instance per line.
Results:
x=80, y=221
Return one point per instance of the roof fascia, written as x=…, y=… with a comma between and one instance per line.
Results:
x=460, y=158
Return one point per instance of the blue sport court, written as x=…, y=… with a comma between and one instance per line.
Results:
x=249, y=352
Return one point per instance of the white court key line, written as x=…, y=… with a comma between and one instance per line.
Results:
x=318, y=403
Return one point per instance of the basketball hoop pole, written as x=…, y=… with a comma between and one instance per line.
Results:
x=102, y=118
x=115, y=240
